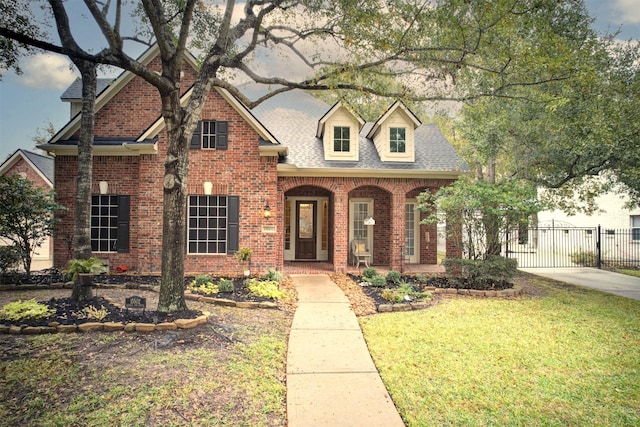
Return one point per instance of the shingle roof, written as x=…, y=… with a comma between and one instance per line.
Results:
x=293, y=118
x=43, y=163
x=75, y=90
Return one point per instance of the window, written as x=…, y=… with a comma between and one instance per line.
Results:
x=341, y=139
x=212, y=225
x=109, y=223
x=210, y=135
x=635, y=227
x=397, y=140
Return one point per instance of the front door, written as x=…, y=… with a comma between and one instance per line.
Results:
x=306, y=230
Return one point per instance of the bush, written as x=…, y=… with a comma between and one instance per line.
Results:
x=482, y=274
x=9, y=258
x=204, y=285
x=226, y=286
x=405, y=290
x=584, y=258
x=265, y=289
x=369, y=272
x=25, y=310
x=272, y=274
x=394, y=277
x=378, y=281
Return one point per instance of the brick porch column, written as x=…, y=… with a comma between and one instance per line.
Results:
x=341, y=230
x=398, y=200
x=454, y=236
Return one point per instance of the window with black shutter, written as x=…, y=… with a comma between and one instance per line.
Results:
x=212, y=224
x=210, y=134
x=109, y=223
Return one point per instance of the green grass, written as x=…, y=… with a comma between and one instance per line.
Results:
x=628, y=272
x=105, y=379
x=569, y=358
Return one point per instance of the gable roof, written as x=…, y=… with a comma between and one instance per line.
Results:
x=43, y=165
x=332, y=110
x=74, y=92
x=395, y=106
x=293, y=118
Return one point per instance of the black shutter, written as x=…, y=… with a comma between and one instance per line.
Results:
x=196, y=140
x=222, y=135
x=123, y=224
x=233, y=210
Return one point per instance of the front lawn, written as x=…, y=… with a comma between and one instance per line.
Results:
x=561, y=356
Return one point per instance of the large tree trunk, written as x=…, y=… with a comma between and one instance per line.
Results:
x=82, y=215
x=171, y=297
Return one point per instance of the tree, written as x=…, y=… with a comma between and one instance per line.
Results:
x=27, y=215
x=435, y=50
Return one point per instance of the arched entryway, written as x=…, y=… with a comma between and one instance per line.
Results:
x=308, y=224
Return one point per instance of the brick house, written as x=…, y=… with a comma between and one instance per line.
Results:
x=319, y=170
x=39, y=170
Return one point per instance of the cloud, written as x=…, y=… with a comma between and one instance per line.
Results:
x=628, y=11
x=47, y=71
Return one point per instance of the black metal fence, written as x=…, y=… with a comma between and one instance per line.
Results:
x=558, y=246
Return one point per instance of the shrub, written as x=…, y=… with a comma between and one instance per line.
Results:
x=265, y=289
x=584, y=258
x=274, y=275
x=95, y=313
x=398, y=295
x=226, y=286
x=25, y=310
x=369, y=272
x=9, y=258
x=394, y=277
x=482, y=274
x=378, y=281
x=204, y=285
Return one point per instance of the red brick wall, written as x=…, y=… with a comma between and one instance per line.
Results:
x=22, y=166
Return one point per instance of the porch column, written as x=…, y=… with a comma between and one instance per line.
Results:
x=398, y=201
x=341, y=231
x=454, y=236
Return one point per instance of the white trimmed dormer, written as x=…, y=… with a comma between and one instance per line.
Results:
x=394, y=134
x=339, y=131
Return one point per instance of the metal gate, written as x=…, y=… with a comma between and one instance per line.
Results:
x=563, y=246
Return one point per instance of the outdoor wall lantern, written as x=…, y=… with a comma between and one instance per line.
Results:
x=104, y=187
x=266, y=211
x=369, y=221
x=207, y=186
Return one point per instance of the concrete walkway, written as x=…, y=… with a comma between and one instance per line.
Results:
x=331, y=379
x=602, y=280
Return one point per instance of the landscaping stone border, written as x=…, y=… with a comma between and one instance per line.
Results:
x=55, y=327
x=505, y=293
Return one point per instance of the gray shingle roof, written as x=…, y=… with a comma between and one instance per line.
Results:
x=43, y=163
x=293, y=117
x=75, y=90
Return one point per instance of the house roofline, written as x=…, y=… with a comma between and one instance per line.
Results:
x=285, y=170
x=124, y=149
x=13, y=159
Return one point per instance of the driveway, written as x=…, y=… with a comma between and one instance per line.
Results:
x=606, y=281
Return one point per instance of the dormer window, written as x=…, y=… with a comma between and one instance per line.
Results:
x=341, y=139
x=397, y=140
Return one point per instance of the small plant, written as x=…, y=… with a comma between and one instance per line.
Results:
x=394, y=277
x=95, y=313
x=226, y=286
x=378, y=281
x=265, y=289
x=243, y=254
x=369, y=272
x=272, y=274
x=204, y=285
x=85, y=266
x=25, y=310
x=404, y=293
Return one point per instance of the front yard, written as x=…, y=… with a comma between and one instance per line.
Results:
x=562, y=356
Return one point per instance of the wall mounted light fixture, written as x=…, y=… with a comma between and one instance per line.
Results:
x=104, y=187
x=266, y=211
x=207, y=186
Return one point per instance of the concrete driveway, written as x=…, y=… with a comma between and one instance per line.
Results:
x=606, y=281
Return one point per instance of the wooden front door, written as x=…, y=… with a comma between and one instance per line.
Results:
x=306, y=230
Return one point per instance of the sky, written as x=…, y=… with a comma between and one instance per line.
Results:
x=29, y=102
